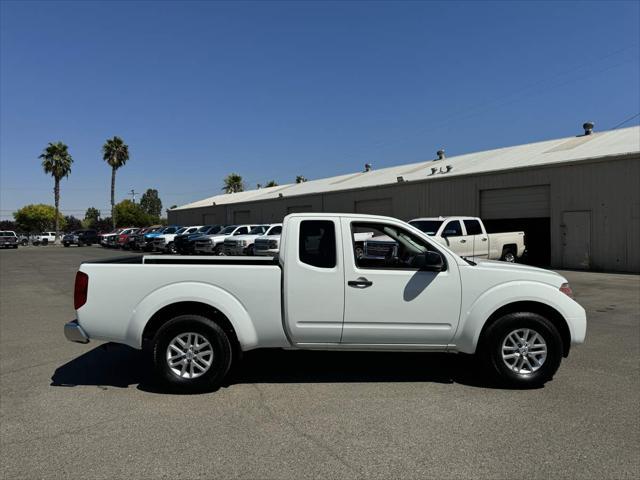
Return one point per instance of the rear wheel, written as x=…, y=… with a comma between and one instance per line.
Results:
x=191, y=354
x=521, y=350
x=508, y=255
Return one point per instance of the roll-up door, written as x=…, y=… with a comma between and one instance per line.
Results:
x=520, y=202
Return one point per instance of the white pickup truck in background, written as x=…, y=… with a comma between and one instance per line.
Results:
x=466, y=236
x=197, y=314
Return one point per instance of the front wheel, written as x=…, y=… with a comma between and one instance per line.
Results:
x=521, y=350
x=191, y=354
x=171, y=248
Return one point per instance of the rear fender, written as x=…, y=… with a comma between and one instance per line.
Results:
x=205, y=293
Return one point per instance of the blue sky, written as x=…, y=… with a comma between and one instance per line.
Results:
x=272, y=90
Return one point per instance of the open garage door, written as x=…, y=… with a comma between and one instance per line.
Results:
x=379, y=206
x=524, y=209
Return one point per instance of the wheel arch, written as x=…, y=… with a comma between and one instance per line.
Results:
x=195, y=298
x=546, y=311
x=172, y=310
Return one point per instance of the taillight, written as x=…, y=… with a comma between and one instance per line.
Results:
x=80, y=290
x=566, y=289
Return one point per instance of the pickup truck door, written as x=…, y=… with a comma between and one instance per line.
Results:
x=389, y=302
x=313, y=280
x=456, y=239
x=480, y=239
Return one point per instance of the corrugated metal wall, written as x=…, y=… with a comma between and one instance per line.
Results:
x=610, y=190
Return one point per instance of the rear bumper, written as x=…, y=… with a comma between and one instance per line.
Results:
x=75, y=333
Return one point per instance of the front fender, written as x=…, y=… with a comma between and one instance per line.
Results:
x=474, y=318
x=208, y=294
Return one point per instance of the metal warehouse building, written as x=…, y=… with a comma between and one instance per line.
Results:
x=576, y=198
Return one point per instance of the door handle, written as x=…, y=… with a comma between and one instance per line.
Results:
x=484, y=239
x=360, y=283
x=463, y=241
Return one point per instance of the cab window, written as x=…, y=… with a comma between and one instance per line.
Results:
x=473, y=227
x=452, y=229
x=317, y=243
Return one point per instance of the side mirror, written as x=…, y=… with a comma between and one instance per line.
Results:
x=429, y=261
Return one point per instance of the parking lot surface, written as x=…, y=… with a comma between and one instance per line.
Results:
x=92, y=411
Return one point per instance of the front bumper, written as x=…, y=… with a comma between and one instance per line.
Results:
x=75, y=333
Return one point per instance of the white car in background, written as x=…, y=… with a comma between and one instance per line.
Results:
x=44, y=238
x=213, y=244
x=268, y=245
x=245, y=244
x=164, y=241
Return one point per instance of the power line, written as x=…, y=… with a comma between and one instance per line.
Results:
x=627, y=120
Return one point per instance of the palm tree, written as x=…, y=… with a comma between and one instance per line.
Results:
x=57, y=161
x=116, y=153
x=233, y=183
x=300, y=179
x=271, y=183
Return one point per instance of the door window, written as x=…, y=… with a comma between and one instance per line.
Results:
x=317, y=243
x=473, y=227
x=452, y=229
x=387, y=246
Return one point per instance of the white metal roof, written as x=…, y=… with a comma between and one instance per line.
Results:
x=549, y=152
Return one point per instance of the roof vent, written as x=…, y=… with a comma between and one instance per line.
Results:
x=588, y=128
x=400, y=179
x=434, y=170
x=280, y=195
x=368, y=167
x=440, y=154
x=449, y=168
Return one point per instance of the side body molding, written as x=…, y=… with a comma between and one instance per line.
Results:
x=474, y=316
x=206, y=293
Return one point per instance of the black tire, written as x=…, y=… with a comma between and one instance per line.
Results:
x=24, y=243
x=66, y=245
x=171, y=248
x=222, y=354
x=508, y=255
x=250, y=251
x=490, y=350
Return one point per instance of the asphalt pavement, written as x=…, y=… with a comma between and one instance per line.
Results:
x=93, y=411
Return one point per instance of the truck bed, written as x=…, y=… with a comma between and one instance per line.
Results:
x=138, y=286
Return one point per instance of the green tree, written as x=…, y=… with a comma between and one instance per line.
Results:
x=91, y=217
x=300, y=179
x=151, y=203
x=38, y=218
x=271, y=183
x=56, y=161
x=72, y=223
x=233, y=183
x=116, y=153
x=129, y=214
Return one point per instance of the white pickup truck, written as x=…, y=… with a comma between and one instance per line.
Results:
x=466, y=236
x=198, y=314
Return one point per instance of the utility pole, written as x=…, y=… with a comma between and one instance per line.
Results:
x=133, y=195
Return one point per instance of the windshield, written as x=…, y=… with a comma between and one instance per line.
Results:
x=228, y=230
x=182, y=230
x=277, y=230
x=430, y=227
x=169, y=230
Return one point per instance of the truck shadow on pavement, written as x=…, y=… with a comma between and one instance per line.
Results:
x=114, y=365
